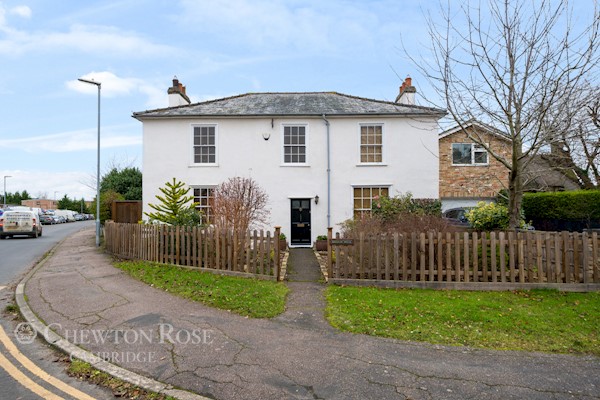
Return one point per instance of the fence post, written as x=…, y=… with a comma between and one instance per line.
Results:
x=329, y=253
x=277, y=251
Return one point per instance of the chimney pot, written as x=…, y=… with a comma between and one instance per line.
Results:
x=177, y=96
x=407, y=92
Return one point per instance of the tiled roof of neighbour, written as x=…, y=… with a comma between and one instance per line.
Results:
x=290, y=104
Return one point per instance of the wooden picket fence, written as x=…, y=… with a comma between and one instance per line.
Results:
x=255, y=253
x=468, y=257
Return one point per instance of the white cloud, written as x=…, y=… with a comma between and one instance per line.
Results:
x=114, y=86
x=111, y=85
x=104, y=40
x=73, y=184
x=157, y=96
x=110, y=137
x=21, y=11
x=276, y=24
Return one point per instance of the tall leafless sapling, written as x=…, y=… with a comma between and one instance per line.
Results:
x=238, y=204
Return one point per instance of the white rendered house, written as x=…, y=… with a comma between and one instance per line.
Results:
x=321, y=157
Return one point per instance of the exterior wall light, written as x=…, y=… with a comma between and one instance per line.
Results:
x=317, y=199
x=266, y=135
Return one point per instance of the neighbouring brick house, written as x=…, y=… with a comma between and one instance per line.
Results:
x=45, y=204
x=468, y=174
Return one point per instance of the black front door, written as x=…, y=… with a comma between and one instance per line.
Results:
x=300, y=222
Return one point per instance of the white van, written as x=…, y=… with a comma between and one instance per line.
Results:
x=13, y=223
x=67, y=214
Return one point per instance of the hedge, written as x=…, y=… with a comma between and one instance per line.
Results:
x=575, y=210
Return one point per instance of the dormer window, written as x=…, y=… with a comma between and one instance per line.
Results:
x=469, y=154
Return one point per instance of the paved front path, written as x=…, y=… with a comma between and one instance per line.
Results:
x=284, y=358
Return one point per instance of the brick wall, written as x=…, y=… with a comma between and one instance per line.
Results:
x=458, y=181
x=40, y=203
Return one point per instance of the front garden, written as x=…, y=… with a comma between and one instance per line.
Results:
x=537, y=320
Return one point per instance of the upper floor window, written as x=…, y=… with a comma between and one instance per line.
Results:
x=371, y=144
x=294, y=144
x=469, y=154
x=205, y=144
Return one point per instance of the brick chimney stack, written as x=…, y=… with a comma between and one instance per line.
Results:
x=177, y=96
x=407, y=93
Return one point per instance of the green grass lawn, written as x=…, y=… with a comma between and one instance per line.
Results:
x=244, y=296
x=537, y=320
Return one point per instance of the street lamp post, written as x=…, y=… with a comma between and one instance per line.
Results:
x=98, y=85
x=4, y=202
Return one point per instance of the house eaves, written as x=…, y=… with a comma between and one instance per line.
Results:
x=274, y=105
x=478, y=125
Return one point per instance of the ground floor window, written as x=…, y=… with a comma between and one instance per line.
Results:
x=363, y=198
x=203, y=197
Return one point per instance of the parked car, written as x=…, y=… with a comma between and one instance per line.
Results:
x=15, y=223
x=59, y=219
x=457, y=216
x=46, y=219
x=79, y=217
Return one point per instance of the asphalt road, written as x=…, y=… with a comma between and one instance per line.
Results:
x=19, y=253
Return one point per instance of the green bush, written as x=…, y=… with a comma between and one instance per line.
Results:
x=488, y=217
x=574, y=205
x=188, y=217
x=391, y=208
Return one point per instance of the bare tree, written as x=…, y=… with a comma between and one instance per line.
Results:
x=238, y=204
x=507, y=64
x=575, y=150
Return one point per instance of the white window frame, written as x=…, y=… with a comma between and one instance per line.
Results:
x=193, y=146
x=383, y=143
x=202, y=207
x=362, y=187
x=475, y=148
x=306, y=145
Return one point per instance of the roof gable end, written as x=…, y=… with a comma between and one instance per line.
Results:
x=475, y=124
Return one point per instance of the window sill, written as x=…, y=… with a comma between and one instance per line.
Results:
x=470, y=165
x=372, y=165
x=202, y=165
x=295, y=165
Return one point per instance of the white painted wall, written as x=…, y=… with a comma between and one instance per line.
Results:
x=410, y=161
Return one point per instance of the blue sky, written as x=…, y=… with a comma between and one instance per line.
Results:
x=215, y=48
x=134, y=48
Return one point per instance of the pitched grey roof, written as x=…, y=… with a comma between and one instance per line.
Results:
x=290, y=104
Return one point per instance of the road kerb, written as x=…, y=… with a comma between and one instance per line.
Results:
x=77, y=352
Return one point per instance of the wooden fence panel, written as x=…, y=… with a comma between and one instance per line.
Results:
x=504, y=257
x=195, y=247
